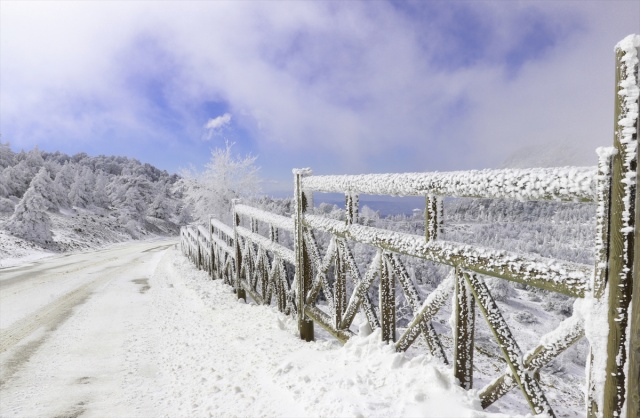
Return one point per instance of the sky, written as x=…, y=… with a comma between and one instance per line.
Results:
x=343, y=87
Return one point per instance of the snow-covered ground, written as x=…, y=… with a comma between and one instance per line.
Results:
x=136, y=330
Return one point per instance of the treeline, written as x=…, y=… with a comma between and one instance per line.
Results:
x=36, y=183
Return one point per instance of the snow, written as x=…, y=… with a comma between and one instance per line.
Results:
x=222, y=227
x=160, y=338
x=556, y=183
x=277, y=221
x=268, y=245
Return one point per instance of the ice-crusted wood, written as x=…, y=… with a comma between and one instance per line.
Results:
x=429, y=309
x=339, y=286
x=278, y=221
x=623, y=231
x=359, y=297
x=563, y=277
x=264, y=242
x=324, y=321
x=303, y=261
x=387, y=302
x=222, y=228
x=554, y=343
x=511, y=351
x=395, y=266
x=463, y=332
x=602, y=220
x=351, y=208
x=433, y=217
x=556, y=183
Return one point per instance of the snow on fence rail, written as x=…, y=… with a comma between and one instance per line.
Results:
x=607, y=303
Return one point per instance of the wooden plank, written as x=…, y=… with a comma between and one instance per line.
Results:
x=464, y=314
x=359, y=294
x=411, y=295
x=511, y=351
x=603, y=212
x=622, y=246
x=387, y=303
x=302, y=260
x=571, y=279
x=339, y=287
x=522, y=184
x=324, y=321
x=429, y=309
x=432, y=217
x=570, y=331
x=351, y=208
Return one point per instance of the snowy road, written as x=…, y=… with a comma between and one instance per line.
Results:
x=135, y=330
x=64, y=323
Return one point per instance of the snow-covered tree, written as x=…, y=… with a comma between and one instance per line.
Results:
x=225, y=177
x=30, y=219
x=159, y=208
x=81, y=190
x=100, y=196
x=63, y=181
x=6, y=156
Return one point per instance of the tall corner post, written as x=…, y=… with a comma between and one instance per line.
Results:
x=621, y=387
x=303, y=262
x=240, y=292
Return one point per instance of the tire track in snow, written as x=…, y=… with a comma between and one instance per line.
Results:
x=51, y=316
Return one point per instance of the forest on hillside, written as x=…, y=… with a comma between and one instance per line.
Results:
x=36, y=185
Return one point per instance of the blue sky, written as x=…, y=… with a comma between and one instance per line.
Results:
x=341, y=87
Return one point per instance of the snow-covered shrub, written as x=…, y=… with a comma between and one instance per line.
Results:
x=558, y=303
x=6, y=205
x=501, y=290
x=525, y=317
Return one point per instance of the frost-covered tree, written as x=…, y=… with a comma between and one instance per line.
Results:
x=81, y=190
x=6, y=156
x=100, y=196
x=63, y=181
x=30, y=219
x=225, y=177
x=159, y=208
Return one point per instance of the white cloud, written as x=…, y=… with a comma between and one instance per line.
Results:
x=218, y=122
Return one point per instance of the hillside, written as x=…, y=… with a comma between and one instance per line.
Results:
x=53, y=202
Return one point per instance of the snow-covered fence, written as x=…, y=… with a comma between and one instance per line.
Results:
x=189, y=243
x=607, y=311
x=195, y=242
x=222, y=250
x=262, y=264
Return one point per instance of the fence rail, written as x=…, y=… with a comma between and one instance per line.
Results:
x=324, y=285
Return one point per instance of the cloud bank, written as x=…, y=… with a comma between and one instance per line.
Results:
x=338, y=86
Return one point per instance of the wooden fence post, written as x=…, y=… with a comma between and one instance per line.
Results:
x=433, y=217
x=351, y=207
x=303, y=262
x=465, y=315
x=622, y=363
x=387, y=302
x=236, y=222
